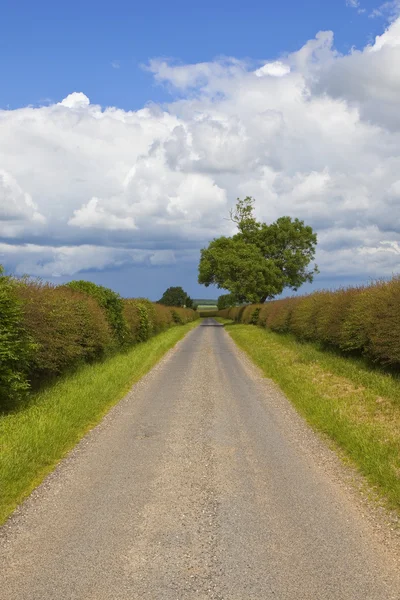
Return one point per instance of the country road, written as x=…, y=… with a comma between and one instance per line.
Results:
x=202, y=483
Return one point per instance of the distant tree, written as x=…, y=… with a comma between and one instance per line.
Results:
x=176, y=296
x=226, y=301
x=260, y=260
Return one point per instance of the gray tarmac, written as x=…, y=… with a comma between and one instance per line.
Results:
x=202, y=483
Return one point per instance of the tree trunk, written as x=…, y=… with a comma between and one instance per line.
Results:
x=263, y=298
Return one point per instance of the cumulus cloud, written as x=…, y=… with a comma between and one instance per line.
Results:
x=18, y=212
x=315, y=134
x=275, y=69
x=94, y=215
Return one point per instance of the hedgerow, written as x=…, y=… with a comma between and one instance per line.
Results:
x=110, y=301
x=47, y=330
x=67, y=326
x=363, y=320
x=138, y=316
x=16, y=346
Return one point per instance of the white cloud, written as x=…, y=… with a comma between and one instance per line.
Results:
x=315, y=134
x=274, y=69
x=18, y=212
x=353, y=3
x=75, y=100
x=390, y=10
x=94, y=215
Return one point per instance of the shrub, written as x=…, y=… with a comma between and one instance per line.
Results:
x=68, y=327
x=16, y=346
x=384, y=319
x=304, y=315
x=279, y=314
x=372, y=324
x=176, y=317
x=140, y=318
x=185, y=315
x=47, y=330
x=145, y=318
x=250, y=314
x=330, y=321
x=162, y=317
x=110, y=301
x=363, y=320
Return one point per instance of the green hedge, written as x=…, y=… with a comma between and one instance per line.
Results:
x=364, y=320
x=47, y=330
x=16, y=346
x=110, y=301
x=68, y=327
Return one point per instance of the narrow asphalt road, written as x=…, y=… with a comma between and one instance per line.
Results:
x=200, y=484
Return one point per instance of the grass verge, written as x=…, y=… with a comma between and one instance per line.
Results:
x=357, y=406
x=35, y=438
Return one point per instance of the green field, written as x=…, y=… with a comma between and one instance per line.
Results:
x=205, y=307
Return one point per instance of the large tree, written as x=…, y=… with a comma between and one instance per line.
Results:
x=259, y=261
x=176, y=296
x=226, y=301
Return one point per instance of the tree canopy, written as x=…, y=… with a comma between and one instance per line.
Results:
x=259, y=261
x=176, y=296
x=226, y=301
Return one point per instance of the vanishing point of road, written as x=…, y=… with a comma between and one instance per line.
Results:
x=202, y=483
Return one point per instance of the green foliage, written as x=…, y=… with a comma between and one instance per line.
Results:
x=226, y=301
x=358, y=320
x=110, y=301
x=16, y=346
x=163, y=317
x=372, y=324
x=260, y=260
x=176, y=296
x=144, y=318
x=139, y=315
x=46, y=331
x=67, y=326
x=255, y=315
x=176, y=317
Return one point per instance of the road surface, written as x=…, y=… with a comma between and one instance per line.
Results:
x=200, y=484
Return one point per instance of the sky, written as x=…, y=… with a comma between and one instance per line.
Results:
x=128, y=130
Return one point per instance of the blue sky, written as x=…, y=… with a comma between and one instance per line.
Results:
x=49, y=49
x=128, y=130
